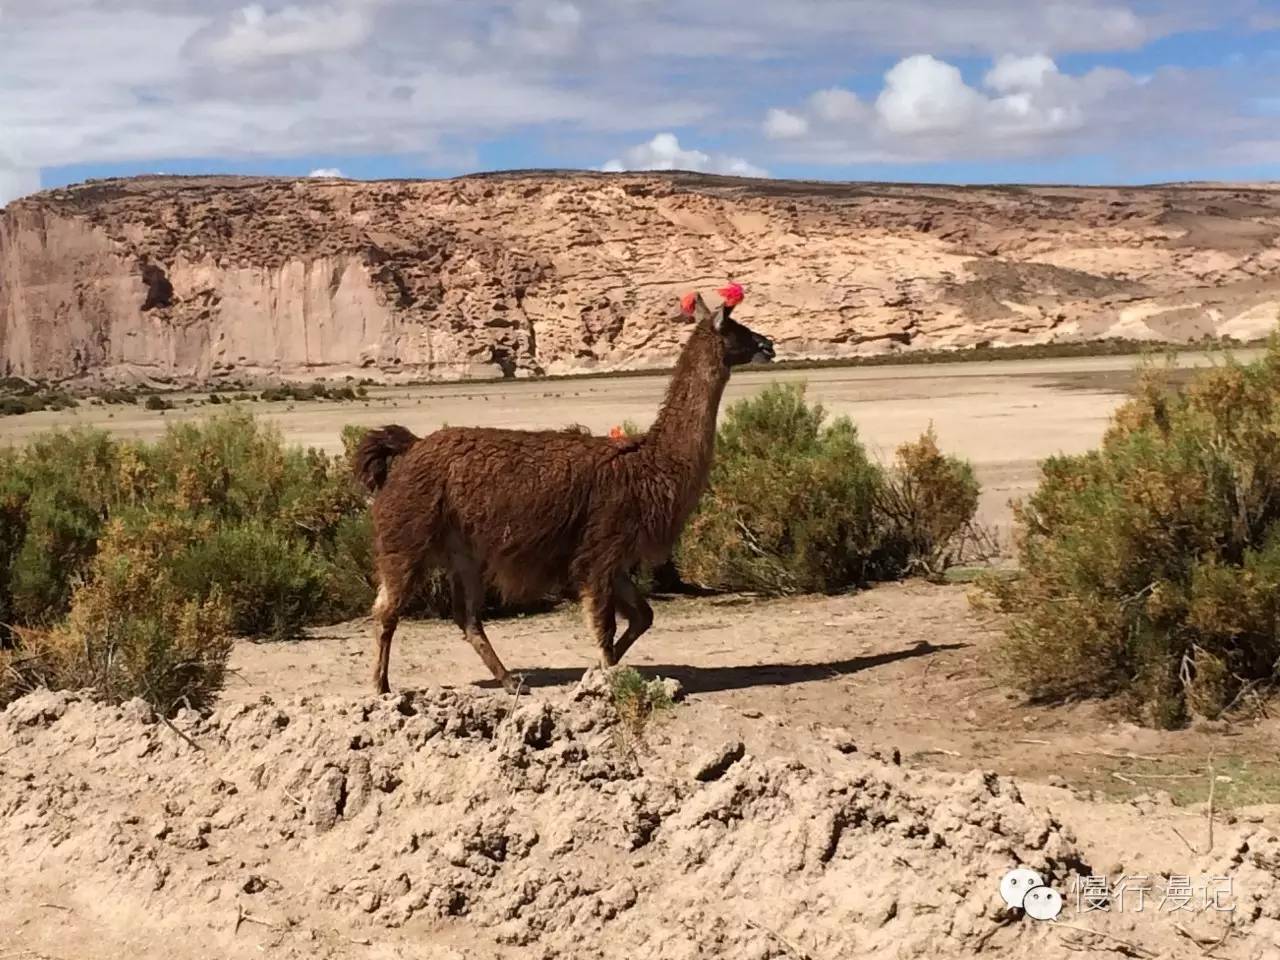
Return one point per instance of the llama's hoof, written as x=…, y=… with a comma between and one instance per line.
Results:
x=512, y=683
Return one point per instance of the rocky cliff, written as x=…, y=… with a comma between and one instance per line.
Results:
x=202, y=278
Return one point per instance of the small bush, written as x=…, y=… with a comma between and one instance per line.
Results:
x=307, y=391
x=19, y=396
x=927, y=504
x=272, y=586
x=115, y=396
x=637, y=700
x=350, y=581
x=131, y=631
x=791, y=504
x=157, y=402
x=56, y=494
x=1151, y=566
x=351, y=435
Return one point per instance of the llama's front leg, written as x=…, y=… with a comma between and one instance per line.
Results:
x=598, y=608
x=468, y=596
x=637, y=611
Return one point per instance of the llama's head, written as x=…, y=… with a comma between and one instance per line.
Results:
x=741, y=344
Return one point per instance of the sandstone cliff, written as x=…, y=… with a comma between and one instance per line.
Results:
x=201, y=278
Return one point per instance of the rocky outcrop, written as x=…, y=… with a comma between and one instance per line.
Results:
x=196, y=279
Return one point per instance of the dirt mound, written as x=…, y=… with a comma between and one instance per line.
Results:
x=492, y=825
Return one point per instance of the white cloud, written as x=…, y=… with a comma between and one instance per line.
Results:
x=138, y=81
x=327, y=173
x=836, y=105
x=252, y=34
x=1025, y=107
x=1012, y=74
x=547, y=28
x=783, y=125
x=664, y=152
x=925, y=95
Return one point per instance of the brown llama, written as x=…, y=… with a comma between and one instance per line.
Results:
x=533, y=513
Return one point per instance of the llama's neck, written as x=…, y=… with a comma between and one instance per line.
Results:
x=684, y=433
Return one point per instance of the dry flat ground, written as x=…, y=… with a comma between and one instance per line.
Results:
x=904, y=667
x=1004, y=416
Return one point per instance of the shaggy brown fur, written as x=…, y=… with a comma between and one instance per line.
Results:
x=536, y=513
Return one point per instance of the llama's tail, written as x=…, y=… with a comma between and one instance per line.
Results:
x=375, y=452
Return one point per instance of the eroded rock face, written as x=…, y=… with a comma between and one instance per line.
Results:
x=202, y=278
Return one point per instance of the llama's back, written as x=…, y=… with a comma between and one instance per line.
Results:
x=517, y=500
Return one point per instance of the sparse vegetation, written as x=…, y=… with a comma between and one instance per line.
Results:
x=1151, y=566
x=19, y=396
x=637, y=700
x=132, y=631
x=310, y=391
x=272, y=537
x=927, y=506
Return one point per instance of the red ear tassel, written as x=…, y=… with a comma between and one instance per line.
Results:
x=731, y=295
x=687, y=303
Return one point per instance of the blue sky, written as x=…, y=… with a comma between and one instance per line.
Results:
x=1095, y=91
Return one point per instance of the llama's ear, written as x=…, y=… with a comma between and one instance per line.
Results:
x=717, y=318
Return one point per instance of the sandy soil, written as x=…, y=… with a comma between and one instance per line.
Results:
x=1004, y=416
x=831, y=784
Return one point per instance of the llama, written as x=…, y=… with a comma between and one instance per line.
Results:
x=533, y=513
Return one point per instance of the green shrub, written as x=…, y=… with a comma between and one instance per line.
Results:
x=30, y=398
x=307, y=391
x=791, y=504
x=157, y=402
x=130, y=632
x=115, y=396
x=637, y=700
x=1151, y=566
x=57, y=493
x=351, y=435
x=272, y=586
x=301, y=507
x=795, y=504
x=237, y=468
x=350, y=582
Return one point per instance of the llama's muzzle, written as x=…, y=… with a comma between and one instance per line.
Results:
x=764, y=349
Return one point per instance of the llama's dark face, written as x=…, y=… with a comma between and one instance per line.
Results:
x=741, y=343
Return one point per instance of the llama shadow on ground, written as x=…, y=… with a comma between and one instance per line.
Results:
x=716, y=679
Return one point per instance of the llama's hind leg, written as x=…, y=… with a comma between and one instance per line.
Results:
x=392, y=592
x=598, y=606
x=637, y=611
x=468, y=597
